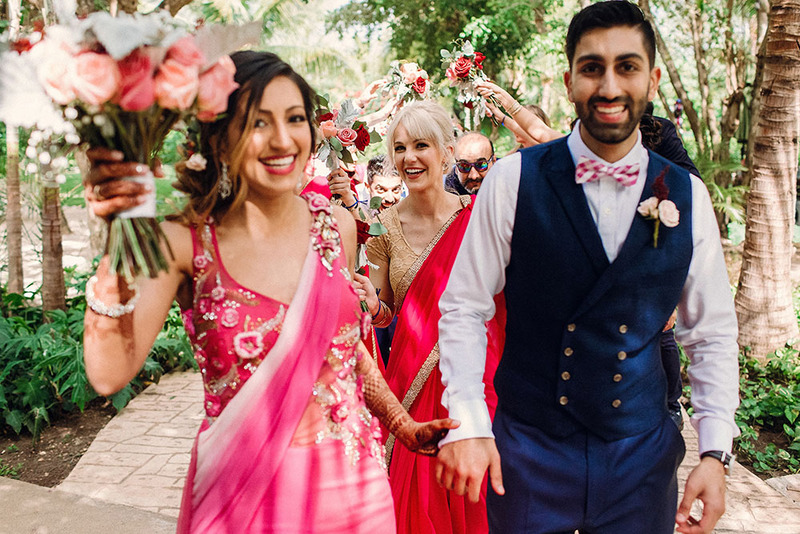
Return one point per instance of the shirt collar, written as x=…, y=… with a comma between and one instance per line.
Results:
x=578, y=148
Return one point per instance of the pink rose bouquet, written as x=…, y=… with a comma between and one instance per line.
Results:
x=464, y=66
x=342, y=137
x=122, y=83
x=406, y=82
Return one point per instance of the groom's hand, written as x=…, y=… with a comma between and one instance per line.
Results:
x=461, y=465
x=707, y=483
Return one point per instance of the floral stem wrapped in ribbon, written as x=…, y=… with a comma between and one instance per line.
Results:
x=659, y=208
x=122, y=83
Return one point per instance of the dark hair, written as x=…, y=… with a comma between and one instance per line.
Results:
x=254, y=71
x=650, y=128
x=379, y=166
x=610, y=14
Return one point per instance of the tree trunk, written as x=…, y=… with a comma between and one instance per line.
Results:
x=764, y=298
x=677, y=83
x=53, y=289
x=16, y=283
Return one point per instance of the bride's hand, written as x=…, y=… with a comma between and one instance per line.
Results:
x=104, y=188
x=424, y=438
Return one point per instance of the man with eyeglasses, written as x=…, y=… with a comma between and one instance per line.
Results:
x=474, y=156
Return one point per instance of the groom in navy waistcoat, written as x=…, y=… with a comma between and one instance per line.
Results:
x=594, y=240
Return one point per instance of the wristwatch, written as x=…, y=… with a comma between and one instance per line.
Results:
x=726, y=458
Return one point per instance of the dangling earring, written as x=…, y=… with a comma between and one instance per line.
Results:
x=225, y=185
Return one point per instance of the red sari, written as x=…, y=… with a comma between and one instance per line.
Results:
x=421, y=505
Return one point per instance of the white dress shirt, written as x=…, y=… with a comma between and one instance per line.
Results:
x=707, y=326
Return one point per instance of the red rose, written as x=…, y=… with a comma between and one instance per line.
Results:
x=420, y=85
x=137, y=87
x=479, y=60
x=330, y=116
x=21, y=45
x=362, y=232
x=462, y=66
x=362, y=138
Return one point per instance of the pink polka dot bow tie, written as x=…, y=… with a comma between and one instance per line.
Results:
x=589, y=170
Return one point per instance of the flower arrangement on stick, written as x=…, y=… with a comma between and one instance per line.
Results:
x=463, y=66
x=342, y=137
x=121, y=83
x=407, y=81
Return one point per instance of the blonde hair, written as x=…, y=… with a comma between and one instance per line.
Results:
x=427, y=121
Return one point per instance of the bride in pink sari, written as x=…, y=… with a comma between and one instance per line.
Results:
x=413, y=261
x=263, y=276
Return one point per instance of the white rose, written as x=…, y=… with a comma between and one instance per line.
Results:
x=649, y=207
x=668, y=213
x=196, y=162
x=409, y=72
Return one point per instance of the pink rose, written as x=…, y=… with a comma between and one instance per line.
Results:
x=347, y=136
x=96, y=78
x=200, y=262
x=176, y=85
x=185, y=52
x=218, y=293
x=328, y=129
x=248, y=345
x=409, y=72
x=450, y=74
x=318, y=202
x=137, y=91
x=55, y=79
x=229, y=317
x=649, y=207
x=668, y=213
x=216, y=85
x=339, y=412
x=366, y=325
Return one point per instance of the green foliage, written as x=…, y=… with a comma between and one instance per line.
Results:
x=501, y=30
x=9, y=471
x=770, y=402
x=42, y=372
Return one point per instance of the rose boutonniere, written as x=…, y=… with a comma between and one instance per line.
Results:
x=659, y=208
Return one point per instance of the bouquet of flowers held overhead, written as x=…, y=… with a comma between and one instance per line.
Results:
x=342, y=137
x=407, y=81
x=463, y=66
x=121, y=83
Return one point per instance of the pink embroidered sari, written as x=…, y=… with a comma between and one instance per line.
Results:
x=421, y=505
x=288, y=445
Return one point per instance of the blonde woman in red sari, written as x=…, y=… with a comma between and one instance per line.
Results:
x=413, y=261
x=263, y=277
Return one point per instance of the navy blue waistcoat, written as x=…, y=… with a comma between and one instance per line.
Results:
x=582, y=338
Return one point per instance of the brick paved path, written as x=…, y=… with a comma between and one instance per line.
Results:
x=140, y=459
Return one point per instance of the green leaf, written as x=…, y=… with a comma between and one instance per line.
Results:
x=336, y=144
x=14, y=420
x=376, y=229
x=375, y=137
x=121, y=398
x=375, y=203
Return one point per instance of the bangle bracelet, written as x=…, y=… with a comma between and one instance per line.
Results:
x=503, y=122
x=115, y=311
x=515, y=108
x=351, y=206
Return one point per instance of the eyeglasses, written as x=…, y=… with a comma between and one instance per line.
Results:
x=464, y=166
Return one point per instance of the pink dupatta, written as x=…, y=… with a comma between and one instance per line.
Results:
x=238, y=456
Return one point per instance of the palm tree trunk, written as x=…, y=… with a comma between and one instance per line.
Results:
x=764, y=298
x=16, y=282
x=53, y=289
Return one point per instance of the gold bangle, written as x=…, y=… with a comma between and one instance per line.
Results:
x=515, y=108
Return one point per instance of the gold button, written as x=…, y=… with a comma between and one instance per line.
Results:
x=565, y=375
x=563, y=401
x=616, y=403
x=568, y=351
x=571, y=327
x=623, y=328
x=617, y=377
x=622, y=355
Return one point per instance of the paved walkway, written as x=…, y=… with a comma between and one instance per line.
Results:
x=140, y=459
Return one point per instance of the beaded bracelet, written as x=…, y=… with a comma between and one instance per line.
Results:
x=115, y=311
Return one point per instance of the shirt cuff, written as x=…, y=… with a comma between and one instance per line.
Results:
x=713, y=434
x=475, y=421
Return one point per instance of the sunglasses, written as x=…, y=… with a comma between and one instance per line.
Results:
x=464, y=166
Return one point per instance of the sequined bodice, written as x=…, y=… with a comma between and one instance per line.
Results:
x=232, y=330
